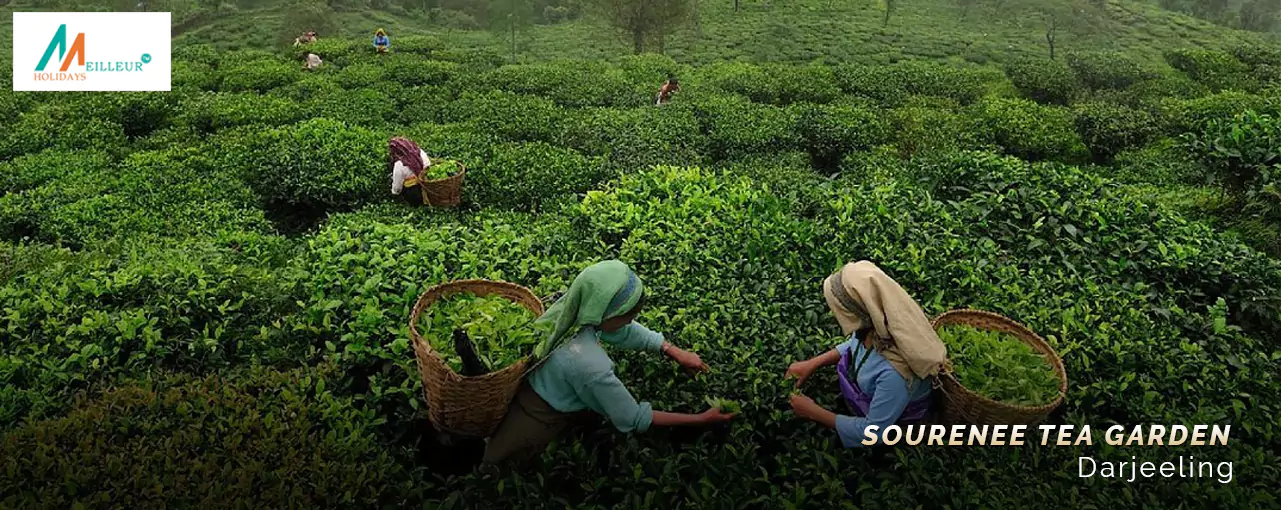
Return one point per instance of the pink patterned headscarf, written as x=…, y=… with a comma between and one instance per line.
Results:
x=407, y=152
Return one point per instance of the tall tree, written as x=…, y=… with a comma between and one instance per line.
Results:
x=644, y=20
x=510, y=19
x=1259, y=15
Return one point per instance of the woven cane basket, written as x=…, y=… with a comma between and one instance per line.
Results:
x=467, y=406
x=447, y=192
x=962, y=406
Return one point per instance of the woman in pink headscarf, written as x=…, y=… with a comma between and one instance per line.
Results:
x=407, y=162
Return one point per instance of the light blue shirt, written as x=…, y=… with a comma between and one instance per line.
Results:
x=888, y=388
x=579, y=375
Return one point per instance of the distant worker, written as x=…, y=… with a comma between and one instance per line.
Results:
x=381, y=43
x=313, y=62
x=408, y=162
x=665, y=92
x=309, y=37
x=887, y=368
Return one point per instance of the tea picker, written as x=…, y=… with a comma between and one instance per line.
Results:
x=312, y=62
x=887, y=368
x=575, y=377
x=382, y=44
x=408, y=162
x=671, y=86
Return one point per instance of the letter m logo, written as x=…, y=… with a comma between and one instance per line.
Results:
x=59, y=43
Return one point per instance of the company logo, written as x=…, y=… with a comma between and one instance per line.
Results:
x=91, y=51
x=59, y=43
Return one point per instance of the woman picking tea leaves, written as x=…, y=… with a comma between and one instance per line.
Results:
x=577, y=377
x=886, y=368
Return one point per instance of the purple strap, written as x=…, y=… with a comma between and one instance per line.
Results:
x=916, y=410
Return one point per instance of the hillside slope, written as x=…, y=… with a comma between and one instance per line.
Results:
x=790, y=30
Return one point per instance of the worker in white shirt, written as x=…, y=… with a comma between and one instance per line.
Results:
x=408, y=162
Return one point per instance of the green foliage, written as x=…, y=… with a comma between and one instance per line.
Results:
x=1044, y=80
x=804, y=84
x=42, y=168
x=1000, y=366
x=441, y=169
x=502, y=331
x=638, y=137
x=748, y=80
x=1242, y=150
x=1163, y=163
x=1217, y=70
x=893, y=83
x=211, y=112
x=507, y=115
x=829, y=132
x=1028, y=130
x=1193, y=115
x=567, y=83
x=530, y=176
x=138, y=237
x=256, y=74
x=56, y=126
x=1109, y=69
x=272, y=433
x=725, y=406
x=926, y=128
x=320, y=164
x=736, y=128
x=1109, y=128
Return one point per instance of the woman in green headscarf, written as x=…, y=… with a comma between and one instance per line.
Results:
x=577, y=377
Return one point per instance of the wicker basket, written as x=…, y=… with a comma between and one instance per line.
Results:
x=447, y=192
x=961, y=405
x=467, y=406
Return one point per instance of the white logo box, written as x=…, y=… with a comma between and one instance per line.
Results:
x=122, y=51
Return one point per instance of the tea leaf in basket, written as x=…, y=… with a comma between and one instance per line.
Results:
x=999, y=366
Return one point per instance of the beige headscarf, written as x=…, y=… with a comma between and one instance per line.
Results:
x=860, y=295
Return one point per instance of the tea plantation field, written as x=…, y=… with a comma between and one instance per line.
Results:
x=204, y=295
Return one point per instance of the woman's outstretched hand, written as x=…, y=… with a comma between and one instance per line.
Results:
x=801, y=370
x=804, y=407
x=687, y=359
x=715, y=415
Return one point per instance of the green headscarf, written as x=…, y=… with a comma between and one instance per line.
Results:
x=602, y=291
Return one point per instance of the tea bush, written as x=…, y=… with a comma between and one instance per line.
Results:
x=804, y=84
x=1044, y=81
x=256, y=74
x=59, y=127
x=893, y=83
x=637, y=138
x=829, y=132
x=529, y=176
x=748, y=80
x=567, y=83
x=1109, y=69
x=319, y=164
x=41, y=168
x=507, y=115
x=1215, y=69
x=210, y=112
x=1108, y=128
x=1028, y=130
x=280, y=436
x=736, y=128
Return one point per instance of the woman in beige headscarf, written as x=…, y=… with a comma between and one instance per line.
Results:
x=887, y=368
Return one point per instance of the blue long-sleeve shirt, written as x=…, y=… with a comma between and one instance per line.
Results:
x=382, y=40
x=579, y=375
x=887, y=387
